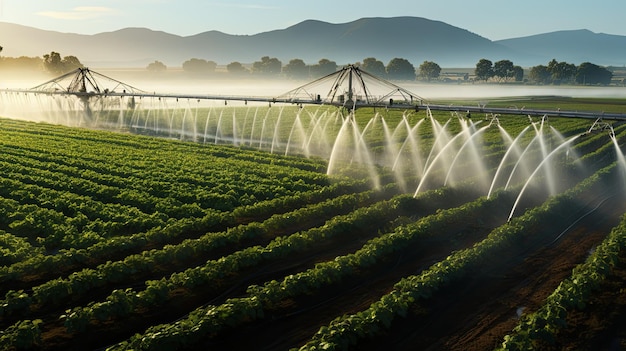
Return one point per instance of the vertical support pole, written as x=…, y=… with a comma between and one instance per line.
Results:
x=350, y=85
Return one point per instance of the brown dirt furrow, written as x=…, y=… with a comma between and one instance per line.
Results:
x=476, y=313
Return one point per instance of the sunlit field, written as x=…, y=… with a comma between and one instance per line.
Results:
x=162, y=224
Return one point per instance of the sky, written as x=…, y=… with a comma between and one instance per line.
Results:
x=492, y=19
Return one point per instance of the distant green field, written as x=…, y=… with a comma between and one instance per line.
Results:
x=552, y=103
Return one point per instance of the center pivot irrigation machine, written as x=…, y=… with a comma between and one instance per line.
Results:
x=350, y=88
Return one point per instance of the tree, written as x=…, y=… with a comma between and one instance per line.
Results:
x=540, y=74
x=518, y=73
x=561, y=71
x=53, y=63
x=296, y=69
x=429, y=70
x=71, y=63
x=236, y=68
x=156, y=66
x=484, y=69
x=195, y=65
x=400, y=69
x=267, y=66
x=323, y=68
x=503, y=69
x=589, y=73
x=374, y=66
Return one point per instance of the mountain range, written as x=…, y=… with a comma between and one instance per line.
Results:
x=413, y=38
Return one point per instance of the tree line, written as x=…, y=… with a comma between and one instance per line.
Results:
x=566, y=73
x=397, y=68
x=53, y=63
x=401, y=69
x=554, y=72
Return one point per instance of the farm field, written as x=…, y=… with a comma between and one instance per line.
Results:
x=114, y=240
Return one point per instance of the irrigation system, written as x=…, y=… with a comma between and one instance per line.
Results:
x=87, y=98
x=350, y=88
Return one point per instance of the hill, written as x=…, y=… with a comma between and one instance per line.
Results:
x=574, y=46
x=413, y=38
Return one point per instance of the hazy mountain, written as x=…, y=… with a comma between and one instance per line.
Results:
x=574, y=46
x=125, y=47
x=415, y=39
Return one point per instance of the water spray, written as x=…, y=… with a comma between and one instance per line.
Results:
x=537, y=169
x=600, y=125
x=351, y=88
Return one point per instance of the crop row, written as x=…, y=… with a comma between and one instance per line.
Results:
x=143, y=151
x=55, y=218
x=150, y=191
x=213, y=319
x=69, y=203
x=100, y=188
x=541, y=327
x=121, y=303
x=53, y=177
x=81, y=282
x=122, y=246
x=349, y=329
x=15, y=249
x=109, y=153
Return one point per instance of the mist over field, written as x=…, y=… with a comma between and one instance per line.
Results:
x=255, y=87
